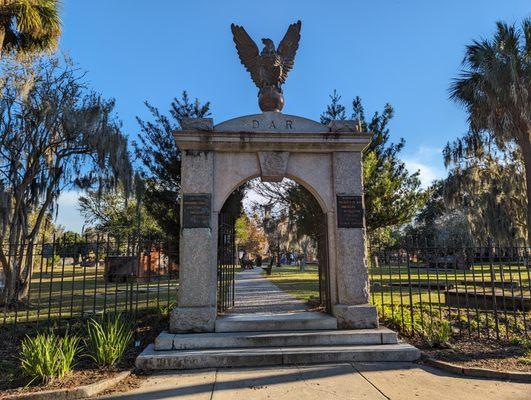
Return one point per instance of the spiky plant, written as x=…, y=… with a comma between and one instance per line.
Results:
x=46, y=356
x=108, y=339
x=28, y=26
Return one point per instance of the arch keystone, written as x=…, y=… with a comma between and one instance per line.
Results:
x=273, y=165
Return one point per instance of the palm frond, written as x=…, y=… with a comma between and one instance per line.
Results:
x=35, y=25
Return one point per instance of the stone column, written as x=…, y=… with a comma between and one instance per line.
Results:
x=196, y=309
x=352, y=278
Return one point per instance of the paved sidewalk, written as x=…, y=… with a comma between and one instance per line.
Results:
x=256, y=294
x=369, y=381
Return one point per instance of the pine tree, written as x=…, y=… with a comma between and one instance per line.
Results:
x=392, y=194
x=161, y=161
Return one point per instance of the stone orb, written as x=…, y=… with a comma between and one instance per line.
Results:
x=270, y=99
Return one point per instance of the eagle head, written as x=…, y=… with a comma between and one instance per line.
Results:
x=269, y=46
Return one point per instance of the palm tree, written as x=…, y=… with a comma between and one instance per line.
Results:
x=29, y=25
x=495, y=89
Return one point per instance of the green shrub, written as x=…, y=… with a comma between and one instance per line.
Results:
x=399, y=317
x=437, y=333
x=522, y=342
x=108, y=339
x=164, y=310
x=47, y=356
x=524, y=360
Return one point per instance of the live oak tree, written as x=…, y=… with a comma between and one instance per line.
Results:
x=292, y=205
x=392, y=194
x=439, y=223
x=294, y=202
x=489, y=189
x=495, y=89
x=29, y=26
x=161, y=161
x=55, y=135
x=116, y=215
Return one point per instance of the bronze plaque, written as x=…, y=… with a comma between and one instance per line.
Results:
x=196, y=211
x=350, y=212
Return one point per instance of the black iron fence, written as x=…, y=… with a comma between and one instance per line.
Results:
x=481, y=291
x=78, y=277
x=226, y=263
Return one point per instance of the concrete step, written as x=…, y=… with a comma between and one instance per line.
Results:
x=191, y=341
x=295, y=321
x=150, y=359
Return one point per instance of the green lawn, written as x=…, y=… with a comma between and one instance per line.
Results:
x=301, y=285
x=413, y=303
x=66, y=291
x=386, y=287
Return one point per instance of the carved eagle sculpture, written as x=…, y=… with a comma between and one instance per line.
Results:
x=270, y=67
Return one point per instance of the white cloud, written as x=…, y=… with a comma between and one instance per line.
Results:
x=428, y=161
x=68, y=214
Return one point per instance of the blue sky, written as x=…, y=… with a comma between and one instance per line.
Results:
x=401, y=52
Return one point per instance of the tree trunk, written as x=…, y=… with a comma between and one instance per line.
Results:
x=2, y=37
x=526, y=153
x=4, y=22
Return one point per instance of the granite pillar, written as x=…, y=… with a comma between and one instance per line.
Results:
x=352, y=308
x=196, y=305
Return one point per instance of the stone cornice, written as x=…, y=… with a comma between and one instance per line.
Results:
x=293, y=142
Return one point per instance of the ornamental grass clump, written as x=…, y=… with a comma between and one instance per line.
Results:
x=108, y=339
x=46, y=356
x=437, y=333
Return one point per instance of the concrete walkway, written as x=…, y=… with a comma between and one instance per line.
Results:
x=370, y=381
x=256, y=294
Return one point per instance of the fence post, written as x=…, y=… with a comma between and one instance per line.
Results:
x=493, y=290
x=411, y=312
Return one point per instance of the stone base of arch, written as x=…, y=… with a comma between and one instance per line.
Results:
x=326, y=160
x=360, y=316
x=193, y=319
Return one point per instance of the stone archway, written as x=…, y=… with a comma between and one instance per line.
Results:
x=324, y=159
x=236, y=292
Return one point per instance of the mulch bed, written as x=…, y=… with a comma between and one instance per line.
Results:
x=483, y=353
x=84, y=373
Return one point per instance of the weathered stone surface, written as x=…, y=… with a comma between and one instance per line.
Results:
x=351, y=253
x=230, y=171
x=352, y=272
x=313, y=142
x=197, y=171
x=348, y=173
x=271, y=145
x=271, y=122
x=345, y=126
x=192, y=319
x=273, y=165
x=361, y=316
x=275, y=322
x=197, y=124
x=313, y=171
x=150, y=359
x=197, y=274
x=307, y=338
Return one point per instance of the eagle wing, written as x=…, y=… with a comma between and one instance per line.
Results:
x=288, y=47
x=248, y=52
